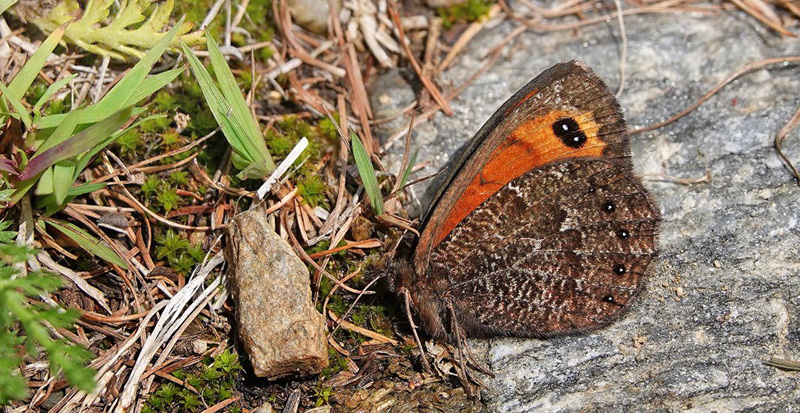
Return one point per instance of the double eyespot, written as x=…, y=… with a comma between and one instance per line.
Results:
x=569, y=132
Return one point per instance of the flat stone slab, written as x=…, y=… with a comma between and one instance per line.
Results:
x=723, y=293
x=282, y=332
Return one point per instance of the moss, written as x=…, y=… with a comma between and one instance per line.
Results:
x=312, y=189
x=179, y=178
x=129, y=144
x=181, y=255
x=466, y=12
x=213, y=380
x=323, y=394
x=168, y=198
x=279, y=144
x=336, y=363
x=328, y=127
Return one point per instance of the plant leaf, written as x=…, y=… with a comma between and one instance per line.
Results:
x=239, y=110
x=368, y=176
x=407, y=172
x=152, y=84
x=48, y=202
x=86, y=241
x=78, y=143
x=63, y=131
x=24, y=79
x=63, y=177
x=19, y=108
x=124, y=35
x=238, y=125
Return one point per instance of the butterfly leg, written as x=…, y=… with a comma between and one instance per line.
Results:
x=465, y=357
x=425, y=362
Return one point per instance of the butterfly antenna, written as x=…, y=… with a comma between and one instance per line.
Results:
x=425, y=363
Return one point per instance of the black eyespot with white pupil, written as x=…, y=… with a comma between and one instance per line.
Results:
x=609, y=206
x=619, y=269
x=569, y=132
x=623, y=233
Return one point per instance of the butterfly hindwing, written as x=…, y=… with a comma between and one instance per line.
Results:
x=561, y=249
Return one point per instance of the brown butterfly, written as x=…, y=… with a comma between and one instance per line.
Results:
x=541, y=227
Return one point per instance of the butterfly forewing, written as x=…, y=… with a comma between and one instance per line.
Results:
x=563, y=113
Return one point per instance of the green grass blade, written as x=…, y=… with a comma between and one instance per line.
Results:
x=219, y=107
x=84, y=159
x=89, y=243
x=45, y=184
x=19, y=108
x=407, y=172
x=152, y=84
x=368, y=175
x=63, y=178
x=62, y=132
x=78, y=143
x=51, y=90
x=88, y=115
x=240, y=112
x=48, y=202
x=24, y=79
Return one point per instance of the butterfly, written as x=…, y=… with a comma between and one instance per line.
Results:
x=541, y=227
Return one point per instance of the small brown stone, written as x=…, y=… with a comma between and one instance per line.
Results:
x=281, y=330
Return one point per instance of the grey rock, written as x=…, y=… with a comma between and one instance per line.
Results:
x=312, y=15
x=389, y=94
x=265, y=408
x=722, y=294
x=281, y=330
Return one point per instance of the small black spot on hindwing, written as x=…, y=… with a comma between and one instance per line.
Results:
x=569, y=132
x=619, y=269
x=609, y=206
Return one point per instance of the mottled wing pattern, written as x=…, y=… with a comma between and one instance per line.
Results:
x=520, y=137
x=562, y=248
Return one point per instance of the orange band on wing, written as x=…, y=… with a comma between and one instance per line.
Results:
x=531, y=145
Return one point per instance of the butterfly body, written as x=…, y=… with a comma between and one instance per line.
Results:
x=541, y=228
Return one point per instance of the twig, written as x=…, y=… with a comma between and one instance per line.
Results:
x=87, y=288
x=468, y=34
x=682, y=181
x=760, y=17
x=624, y=54
x=363, y=331
x=427, y=113
x=781, y=136
x=426, y=81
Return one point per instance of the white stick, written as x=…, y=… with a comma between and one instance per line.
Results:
x=282, y=168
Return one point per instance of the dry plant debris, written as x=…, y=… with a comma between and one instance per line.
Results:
x=140, y=253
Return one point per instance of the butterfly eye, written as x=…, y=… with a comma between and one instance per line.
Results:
x=569, y=132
